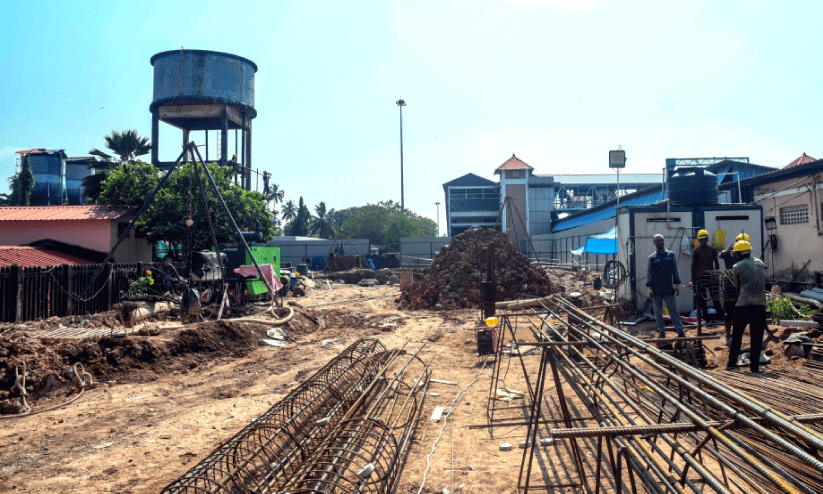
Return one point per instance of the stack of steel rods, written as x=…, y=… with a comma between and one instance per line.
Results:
x=676, y=428
x=793, y=393
x=267, y=452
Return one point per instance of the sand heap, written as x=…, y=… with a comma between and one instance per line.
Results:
x=454, y=278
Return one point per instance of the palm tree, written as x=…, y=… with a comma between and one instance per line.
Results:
x=322, y=223
x=126, y=147
x=275, y=194
x=289, y=210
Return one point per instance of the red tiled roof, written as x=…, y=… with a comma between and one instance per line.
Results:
x=513, y=163
x=802, y=160
x=35, y=256
x=45, y=213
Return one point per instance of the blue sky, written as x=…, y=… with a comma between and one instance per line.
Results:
x=558, y=82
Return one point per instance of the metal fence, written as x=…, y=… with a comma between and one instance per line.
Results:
x=418, y=252
x=32, y=293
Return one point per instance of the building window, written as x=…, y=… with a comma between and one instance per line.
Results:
x=121, y=227
x=793, y=215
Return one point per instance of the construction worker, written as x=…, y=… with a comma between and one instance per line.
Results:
x=704, y=258
x=730, y=258
x=663, y=282
x=750, y=281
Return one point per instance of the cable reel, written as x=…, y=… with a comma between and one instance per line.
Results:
x=614, y=274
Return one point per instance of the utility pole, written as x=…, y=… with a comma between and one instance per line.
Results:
x=438, y=217
x=401, y=104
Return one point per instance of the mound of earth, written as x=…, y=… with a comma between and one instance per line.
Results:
x=132, y=359
x=453, y=280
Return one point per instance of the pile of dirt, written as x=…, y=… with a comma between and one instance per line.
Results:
x=453, y=281
x=132, y=359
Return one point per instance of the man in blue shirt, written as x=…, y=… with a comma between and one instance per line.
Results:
x=663, y=282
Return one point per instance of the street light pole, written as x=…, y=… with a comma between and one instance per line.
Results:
x=438, y=217
x=401, y=104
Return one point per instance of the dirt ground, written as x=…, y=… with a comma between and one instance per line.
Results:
x=162, y=403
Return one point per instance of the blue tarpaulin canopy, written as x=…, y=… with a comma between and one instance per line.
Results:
x=605, y=243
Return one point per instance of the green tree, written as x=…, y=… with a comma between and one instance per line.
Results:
x=323, y=222
x=289, y=210
x=126, y=147
x=383, y=224
x=130, y=183
x=12, y=198
x=25, y=182
x=299, y=226
x=275, y=195
x=165, y=218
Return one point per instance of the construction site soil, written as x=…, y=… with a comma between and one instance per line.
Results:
x=453, y=280
x=163, y=402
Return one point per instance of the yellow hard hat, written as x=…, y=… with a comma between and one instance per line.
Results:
x=742, y=236
x=702, y=234
x=742, y=246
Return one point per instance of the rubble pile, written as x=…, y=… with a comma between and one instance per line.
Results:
x=454, y=278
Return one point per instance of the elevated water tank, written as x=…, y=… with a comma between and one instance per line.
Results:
x=183, y=77
x=692, y=185
x=201, y=90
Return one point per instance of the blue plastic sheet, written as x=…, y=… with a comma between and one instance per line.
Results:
x=605, y=243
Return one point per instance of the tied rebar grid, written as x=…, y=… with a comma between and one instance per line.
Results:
x=717, y=285
x=363, y=454
x=266, y=454
x=657, y=424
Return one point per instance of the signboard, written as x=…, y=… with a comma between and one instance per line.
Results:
x=617, y=159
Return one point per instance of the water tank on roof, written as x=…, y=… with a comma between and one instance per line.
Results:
x=692, y=185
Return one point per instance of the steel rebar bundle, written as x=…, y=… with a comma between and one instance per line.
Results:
x=660, y=423
x=269, y=450
x=363, y=455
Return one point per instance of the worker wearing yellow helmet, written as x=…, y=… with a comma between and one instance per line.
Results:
x=750, y=309
x=704, y=259
x=730, y=296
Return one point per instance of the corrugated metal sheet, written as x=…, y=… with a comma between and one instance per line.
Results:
x=470, y=180
x=609, y=178
x=652, y=195
x=51, y=213
x=41, y=151
x=35, y=257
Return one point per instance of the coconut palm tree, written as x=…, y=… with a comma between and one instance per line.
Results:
x=126, y=146
x=275, y=194
x=322, y=223
x=289, y=210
